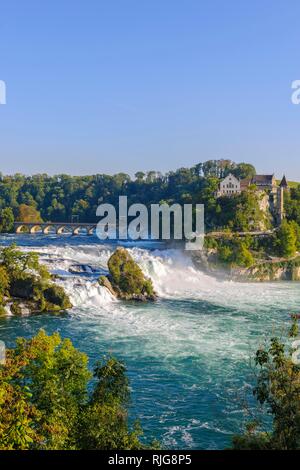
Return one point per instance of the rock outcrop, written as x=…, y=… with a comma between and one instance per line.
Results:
x=26, y=286
x=268, y=270
x=126, y=280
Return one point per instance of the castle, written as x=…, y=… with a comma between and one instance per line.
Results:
x=274, y=200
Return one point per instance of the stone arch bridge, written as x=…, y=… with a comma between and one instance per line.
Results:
x=58, y=228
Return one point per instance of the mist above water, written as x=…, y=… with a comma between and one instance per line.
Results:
x=187, y=354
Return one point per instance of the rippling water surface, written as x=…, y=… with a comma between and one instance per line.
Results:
x=187, y=354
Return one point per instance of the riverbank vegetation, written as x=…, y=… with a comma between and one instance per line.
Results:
x=280, y=246
x=48, y=402
x=60, y=198
x=278, y=391
x=26, y=286
x=63, y=198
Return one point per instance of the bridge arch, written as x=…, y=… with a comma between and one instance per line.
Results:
x=22, y=228
x=49, y=229
x=55, y=227
x=60, y=230
x=35, y=228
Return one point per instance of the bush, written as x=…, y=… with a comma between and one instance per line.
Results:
x=278, y=390
x=23, y=277
x=6, y=220
x=23, y=287
x=48, y=403
x=236, y=252
x=286, y=241
x=2, y=311
x=4, y=283
x=56, y=296
x=18, y=263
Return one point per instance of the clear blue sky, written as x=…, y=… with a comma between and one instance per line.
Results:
x=122, y=85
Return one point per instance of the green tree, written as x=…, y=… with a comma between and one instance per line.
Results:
x=6, y=220
x=286, y=240
x=104, y=423
x=292, y=204
x=29, y=280
x=244, y=171
x=47, y=402
x=127, y=277
x=4, y=283
x=278, y=390
x=139, y=175
x=296, y=228
x=242, y=256
x=18, y=263
x=236, y=252
x=28, y=214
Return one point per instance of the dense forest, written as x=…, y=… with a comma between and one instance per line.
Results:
x=63, y=198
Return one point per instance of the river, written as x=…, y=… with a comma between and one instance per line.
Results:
x=187, y=355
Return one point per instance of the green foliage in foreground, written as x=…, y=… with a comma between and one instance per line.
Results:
x=45, y=402
x=23, y=280
x=278, y=389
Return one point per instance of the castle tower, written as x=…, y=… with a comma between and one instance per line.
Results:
x=280, y=199
x=280, y=205
x=284, y=183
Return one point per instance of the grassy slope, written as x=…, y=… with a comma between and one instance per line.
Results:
x=292, y=184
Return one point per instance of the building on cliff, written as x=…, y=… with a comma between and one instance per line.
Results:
x=262, y=182
x=274, y=193
x=229, y=186
x=232, y=185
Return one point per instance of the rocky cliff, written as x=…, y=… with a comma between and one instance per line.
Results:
x=268, y=270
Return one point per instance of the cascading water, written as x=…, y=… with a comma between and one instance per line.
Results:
x=187, y=354
x=172, y=272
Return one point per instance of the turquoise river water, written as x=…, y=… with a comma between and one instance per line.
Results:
x=187, y=355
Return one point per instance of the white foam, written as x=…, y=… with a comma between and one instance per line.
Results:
x=174, y=277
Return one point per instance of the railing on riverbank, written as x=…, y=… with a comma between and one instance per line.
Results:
x=223, y=234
